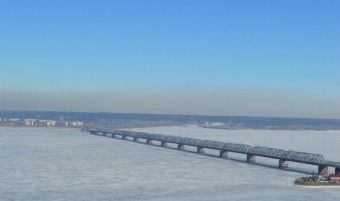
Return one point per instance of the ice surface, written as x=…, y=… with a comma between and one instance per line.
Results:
x=65, y=164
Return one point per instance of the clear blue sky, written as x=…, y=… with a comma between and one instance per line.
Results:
x=254, y=58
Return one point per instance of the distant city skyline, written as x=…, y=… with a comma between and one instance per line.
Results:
x=229, y=58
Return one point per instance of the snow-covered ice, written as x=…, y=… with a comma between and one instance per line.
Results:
x=65, y=164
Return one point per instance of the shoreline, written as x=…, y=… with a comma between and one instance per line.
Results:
x=195, y=126
x=158, y=127
x=40, y=127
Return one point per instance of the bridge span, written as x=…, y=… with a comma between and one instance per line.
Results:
x=224, y=147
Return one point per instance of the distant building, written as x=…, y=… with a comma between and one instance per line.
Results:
x=39, y=122
x=61, y=123
x=30, y=122
x=20, y=123
x=48, y=123
x=76, y=124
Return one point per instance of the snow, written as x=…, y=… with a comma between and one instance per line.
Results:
x=65, y=164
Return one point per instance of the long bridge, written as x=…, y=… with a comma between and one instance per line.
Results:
x=224, y=147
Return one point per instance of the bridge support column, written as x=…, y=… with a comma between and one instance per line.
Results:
x=250, y=158
x=223, y=153
x=124, y=137
x=148, y=141
x=136, y=139
x=337, y=170
x=164, y=144
x=323, y=169
x=200, y=150
x=283, y=163
x=181, y=146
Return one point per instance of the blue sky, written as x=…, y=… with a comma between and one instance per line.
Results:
x=254, y=58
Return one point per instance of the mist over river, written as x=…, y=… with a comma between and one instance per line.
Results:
x=66, y=164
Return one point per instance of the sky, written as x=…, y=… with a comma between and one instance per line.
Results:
x=221, y=57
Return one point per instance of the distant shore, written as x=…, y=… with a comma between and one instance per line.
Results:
x=158, y=127
x=146, y=121
x=195, y=126
x=34, y=127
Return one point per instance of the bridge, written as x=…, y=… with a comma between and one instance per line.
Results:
x=224, y=147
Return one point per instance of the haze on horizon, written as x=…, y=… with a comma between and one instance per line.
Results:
x=247, y=58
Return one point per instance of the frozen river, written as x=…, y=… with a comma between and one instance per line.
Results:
x=65, y=164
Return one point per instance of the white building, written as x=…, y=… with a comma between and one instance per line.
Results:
x=30, y=122
x=50, y=123
x=76, y=124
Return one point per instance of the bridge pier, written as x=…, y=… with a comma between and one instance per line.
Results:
x=136, y=139
x=323, y=169
x=250, y=158
x=164, y=144
x=223, y=153
x=200, y=150
x=337, y=170
x=283, y=163
x=181, y=146
x=124, y=137
x=148, y=141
